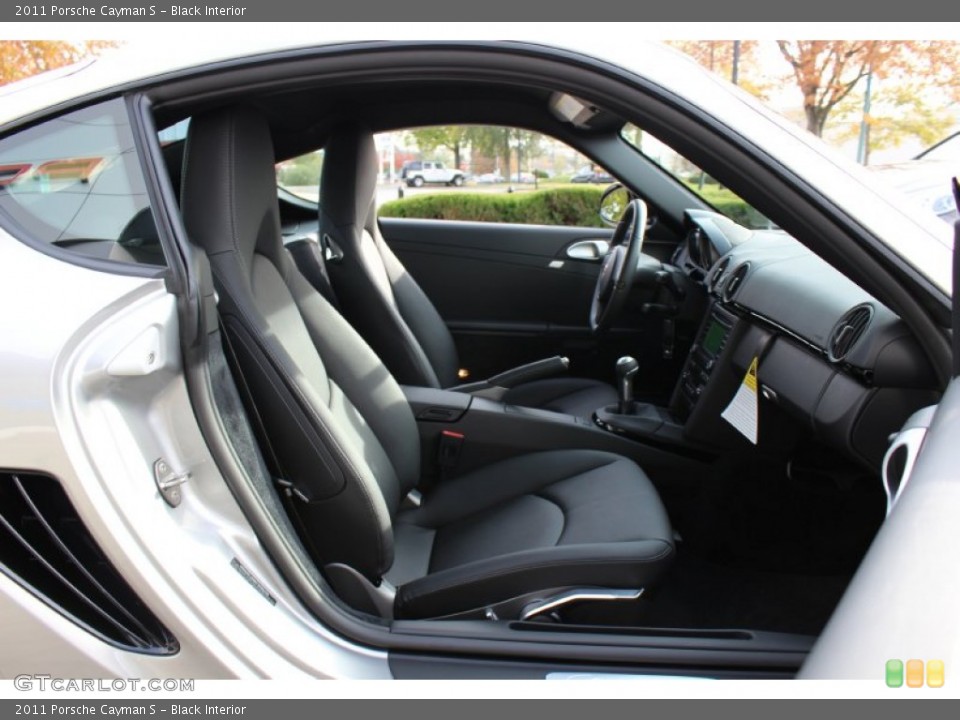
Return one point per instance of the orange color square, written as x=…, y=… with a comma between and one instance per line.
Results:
x=914, y=673
x=935, y=673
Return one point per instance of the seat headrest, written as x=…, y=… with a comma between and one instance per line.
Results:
x=229, y=191
x=348, y=181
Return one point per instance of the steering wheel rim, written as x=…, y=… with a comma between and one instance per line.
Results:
x=619, y=267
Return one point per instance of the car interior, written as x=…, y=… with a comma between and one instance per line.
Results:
x=589, y=478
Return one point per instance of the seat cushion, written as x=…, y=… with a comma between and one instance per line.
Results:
x=564, y=518
x=572, y=396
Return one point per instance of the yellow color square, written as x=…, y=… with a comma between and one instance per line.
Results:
x=914, y=673
x=935, y=673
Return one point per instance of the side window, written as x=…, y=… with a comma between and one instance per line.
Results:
x=477, y=173
x=75, y=182
x=484, y=173
x=301, y=175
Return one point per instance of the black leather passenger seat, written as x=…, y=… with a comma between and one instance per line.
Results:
x=346, y=444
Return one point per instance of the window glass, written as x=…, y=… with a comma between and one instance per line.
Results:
x=301, y=175
x=471, y=172
x=694, y=179
x=75, y=181
x=948, y=149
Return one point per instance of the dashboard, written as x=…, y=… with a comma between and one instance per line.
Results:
x=831, y=360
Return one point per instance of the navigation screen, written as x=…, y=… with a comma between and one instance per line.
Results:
x=714, y=338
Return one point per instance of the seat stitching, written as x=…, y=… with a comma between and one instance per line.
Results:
x=578, y=473
x=508, y=500
x=551, y=482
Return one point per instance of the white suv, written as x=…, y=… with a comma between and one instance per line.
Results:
x=417, y=173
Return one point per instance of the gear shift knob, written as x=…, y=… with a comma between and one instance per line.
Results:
x=626, y=368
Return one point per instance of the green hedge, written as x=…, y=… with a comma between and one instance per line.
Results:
x=570, y=206
x=575, y=206
x=730, y=205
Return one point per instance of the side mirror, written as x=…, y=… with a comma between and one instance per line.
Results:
x=613, y=203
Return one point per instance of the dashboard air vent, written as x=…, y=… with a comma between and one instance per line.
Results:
x=717, y=275
x=46, y=548
x=848, y=331
x=735, y=281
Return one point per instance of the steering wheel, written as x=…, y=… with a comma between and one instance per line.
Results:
x=619, y=266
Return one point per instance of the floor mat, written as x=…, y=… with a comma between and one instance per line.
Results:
x=767, y=545
x=696, y=593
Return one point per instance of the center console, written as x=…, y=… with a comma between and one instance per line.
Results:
x=461, y=431
x=702, y=361
x=706, y=384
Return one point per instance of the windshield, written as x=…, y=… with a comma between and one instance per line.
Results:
x=694, y=179
x=948, y=149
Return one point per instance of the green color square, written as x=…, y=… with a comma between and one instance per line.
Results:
x=894, y=673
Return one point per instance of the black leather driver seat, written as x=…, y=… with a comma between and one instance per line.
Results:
x=387, y=306
x=344, y=441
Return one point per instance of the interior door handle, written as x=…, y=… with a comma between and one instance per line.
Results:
x=590, y=250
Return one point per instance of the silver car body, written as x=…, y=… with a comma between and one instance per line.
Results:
x=80, y=401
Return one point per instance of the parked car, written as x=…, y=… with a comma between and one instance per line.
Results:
x=591, y=175
x=490, y=178
x=408, y=166
x=237, y=437
x=523, y=177
x=416, y=173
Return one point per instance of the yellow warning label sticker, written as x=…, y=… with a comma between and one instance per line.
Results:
x=742, y=412
x=750, y=379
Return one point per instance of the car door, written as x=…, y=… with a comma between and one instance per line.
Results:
x=434, y=172
x=512, y=292
x=897, y=621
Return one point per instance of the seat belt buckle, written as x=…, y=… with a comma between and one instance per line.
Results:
x=449, y=449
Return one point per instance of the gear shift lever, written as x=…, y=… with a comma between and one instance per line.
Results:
x=626, y=368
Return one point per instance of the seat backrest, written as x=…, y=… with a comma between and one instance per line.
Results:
x=338, y=425
x=376, y=293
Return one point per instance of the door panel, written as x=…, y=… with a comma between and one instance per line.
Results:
x=510, y=293
x=497, y=273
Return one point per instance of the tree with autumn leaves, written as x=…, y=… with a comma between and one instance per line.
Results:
x=20, y=59
x=827, y=71
x=720, y=57
x=913, y=90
